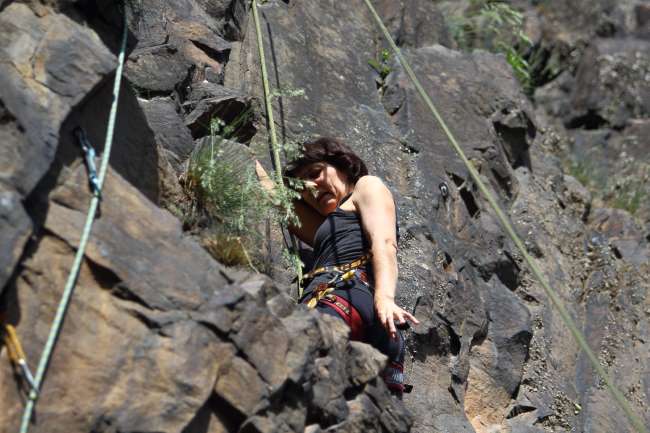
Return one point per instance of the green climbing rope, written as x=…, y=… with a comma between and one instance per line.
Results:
x=267, y=96
x=74, y=272
x=275, y=149
x=537, y=273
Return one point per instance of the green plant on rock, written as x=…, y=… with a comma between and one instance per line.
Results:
x=228, y=200
x=230, y=209
x=381, y=65
x=630, y=192
x=497, y=27
x=630, y=198
x=583, y=171
x=627, y=190
x=283, y=214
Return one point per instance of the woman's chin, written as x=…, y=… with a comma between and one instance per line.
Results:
x=327, y=207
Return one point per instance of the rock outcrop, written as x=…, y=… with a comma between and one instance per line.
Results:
x=161, y=337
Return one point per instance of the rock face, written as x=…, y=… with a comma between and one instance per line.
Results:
x=160, y=337
x=40, y=88
x=600, y=100
x=611, y=84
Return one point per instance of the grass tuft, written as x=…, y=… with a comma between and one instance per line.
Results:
x=229, y=207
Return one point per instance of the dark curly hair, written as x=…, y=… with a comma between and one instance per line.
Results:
x=332, y=151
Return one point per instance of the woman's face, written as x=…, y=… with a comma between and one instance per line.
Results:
x=325, y=186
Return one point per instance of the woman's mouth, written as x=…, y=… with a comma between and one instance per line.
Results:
x=324, y=196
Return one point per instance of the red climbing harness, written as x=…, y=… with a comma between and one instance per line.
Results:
x=322, y=294
x=343, y=308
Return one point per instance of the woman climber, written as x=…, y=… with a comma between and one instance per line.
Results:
x=349, y=218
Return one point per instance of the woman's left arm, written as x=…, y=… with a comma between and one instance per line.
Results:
x=375, y=204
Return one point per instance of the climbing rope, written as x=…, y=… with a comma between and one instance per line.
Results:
x=275, y=149
x=267, y=96
x=550, y=292
x=74, y=272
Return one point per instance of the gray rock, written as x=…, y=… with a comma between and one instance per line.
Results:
x=265, y=344
x=614, y=166
x=14, y=154
x=415, y=23
x=168, y=324
x=129, y=314
x=157, y=70
x=15, y=229
x=41, y=80
x=178, y=43
x=576, y=196
x=611, y=85
x=582, y=20
x=624, y=235
x=168, y=337
x=553, y=96
x=642, y=15
x=208, y=101
x=240, y=385
x=436, y=346
x=364, y=363
x=500, y=145
x=498, y=361
x=169, y=130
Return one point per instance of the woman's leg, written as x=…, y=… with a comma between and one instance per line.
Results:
x=393, y=348
x=377, y=336
x=361, y=298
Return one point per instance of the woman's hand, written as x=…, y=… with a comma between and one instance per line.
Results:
x=269, y=185
x=266, y=182
x=388, y=312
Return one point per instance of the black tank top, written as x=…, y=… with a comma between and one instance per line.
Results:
x=339, y=239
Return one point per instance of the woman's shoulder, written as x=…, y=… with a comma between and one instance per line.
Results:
x=370, y=185
x=370, y=190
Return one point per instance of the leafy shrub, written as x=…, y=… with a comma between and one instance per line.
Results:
x=494, y=26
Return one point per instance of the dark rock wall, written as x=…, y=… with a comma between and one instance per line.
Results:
x=160, y=337
x=600, y=99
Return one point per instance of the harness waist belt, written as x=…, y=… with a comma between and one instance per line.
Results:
x=338, y=268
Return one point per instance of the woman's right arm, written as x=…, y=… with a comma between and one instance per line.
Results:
x=309, y=219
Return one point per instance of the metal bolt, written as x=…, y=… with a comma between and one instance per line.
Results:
x=444, y=190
